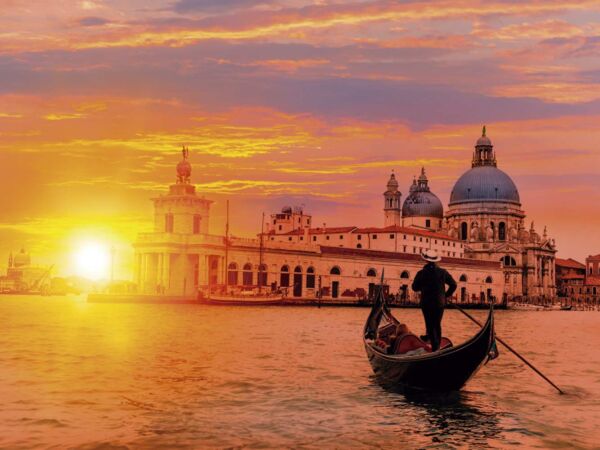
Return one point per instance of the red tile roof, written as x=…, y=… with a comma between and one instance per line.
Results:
x=571, y=277
x=571, y=263
x=405, y=256
x=594, y=256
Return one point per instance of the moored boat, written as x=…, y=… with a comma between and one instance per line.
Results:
x=445, y=370
x=240, y=300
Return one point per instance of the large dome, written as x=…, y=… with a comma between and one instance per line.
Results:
x=422, y=204
x=485, y=184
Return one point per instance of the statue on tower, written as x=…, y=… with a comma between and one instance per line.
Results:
x=184, y=168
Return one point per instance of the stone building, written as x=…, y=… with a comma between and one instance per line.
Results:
x=570, y=277
x=486, y=215
x=181, y=258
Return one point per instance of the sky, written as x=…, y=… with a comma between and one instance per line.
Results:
x=288, y=102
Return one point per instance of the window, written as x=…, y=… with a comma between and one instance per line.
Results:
x=404, y=249
x=414, y=238
x=374, y=236
x=463, y=231
x=341, y=236
x=358, y=245
x=327, y=237
x=404, y=236
x=169, y=223
x=436, y=241
x=502, y=231
x=247, y=275
x=405, y=274
x=310, y=278
x=359, y=237
x=314, y=238
x=262, y=275
x=232, y=275
x=284, y=278
x=371, y=272
x=427, y=240
x=391, y=236
x=279, y=227
x=335, y=270
x=301, y=238
x=463, y=278
x=290, y=238
x=488, y=279
x=197, y=219
x=428, y=223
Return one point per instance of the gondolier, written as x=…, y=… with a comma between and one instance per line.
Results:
x=431, y=282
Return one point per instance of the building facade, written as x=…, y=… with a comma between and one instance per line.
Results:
x=481, y=239
x=486, y=215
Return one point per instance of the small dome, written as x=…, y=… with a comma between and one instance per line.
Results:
x=22, y=259
x=184, y=169
x=422, y=204
x=483, y=140
x=392, y=184
x=485, y=183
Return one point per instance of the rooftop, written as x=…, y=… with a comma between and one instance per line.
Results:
x=374, y=230
x=570, y=263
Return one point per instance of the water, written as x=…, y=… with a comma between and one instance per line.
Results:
x=74, y=374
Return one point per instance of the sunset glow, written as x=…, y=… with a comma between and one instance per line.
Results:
x=289, y=102
x=92, y=261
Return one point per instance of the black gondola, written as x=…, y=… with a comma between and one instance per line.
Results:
x=443, y=371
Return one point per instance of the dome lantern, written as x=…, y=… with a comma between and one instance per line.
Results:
x=484, y=151
x=184, y=168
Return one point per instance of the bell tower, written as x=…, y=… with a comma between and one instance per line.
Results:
x=391, y=209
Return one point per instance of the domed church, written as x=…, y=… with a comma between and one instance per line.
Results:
x=422, y=208
x=485, y=213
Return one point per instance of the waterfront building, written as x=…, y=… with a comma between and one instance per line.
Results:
x=21, y=276
x=481, y=238
x=570, y=277
x=486, y=215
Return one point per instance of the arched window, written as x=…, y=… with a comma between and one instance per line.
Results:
x=284, y=279
x=502, y=231
x=298, y=269
x=371, y=272
x=489, y=279
x=335, y=270
x=310, y=278
x=358, y=245
x=463, y=278
x=405, y=274
x=464, y=231
x=232, y=274
x=262, y=275
x=247, y=275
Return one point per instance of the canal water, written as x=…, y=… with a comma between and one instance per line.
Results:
x=106, y=376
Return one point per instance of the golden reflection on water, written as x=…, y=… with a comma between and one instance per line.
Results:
x=73, y=373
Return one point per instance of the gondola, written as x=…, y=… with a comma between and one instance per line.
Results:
x=446, y=370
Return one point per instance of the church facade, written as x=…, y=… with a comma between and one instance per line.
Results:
x=180, y=257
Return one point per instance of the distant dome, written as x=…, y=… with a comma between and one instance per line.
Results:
x=485, y=184
x=483, y=140
x=392, y=184
x=421, y=202
x=22, y=259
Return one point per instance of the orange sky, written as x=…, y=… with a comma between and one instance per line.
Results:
x=288, y=102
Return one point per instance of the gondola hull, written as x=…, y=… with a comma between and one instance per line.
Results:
x=443, y=371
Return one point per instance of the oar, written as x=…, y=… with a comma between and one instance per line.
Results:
x=512, y=350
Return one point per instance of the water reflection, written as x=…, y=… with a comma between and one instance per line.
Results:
x=445, y=418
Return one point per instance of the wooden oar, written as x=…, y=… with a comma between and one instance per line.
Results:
x=512, y=350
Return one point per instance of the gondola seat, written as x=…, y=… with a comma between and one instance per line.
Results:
x=410, y=342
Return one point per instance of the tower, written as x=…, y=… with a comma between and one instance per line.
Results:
x=391, y=208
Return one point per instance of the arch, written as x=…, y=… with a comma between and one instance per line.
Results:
x=489, y=279
x=463, y=278
x=371, y=272
x=284, y=277
x=405, y=274
x=508, y=261
x=502, y=231
x=298, y=269
x=297, y=291
x=464, y=230
x=232, y=274
x=335, y=270
x=358, y=245
x=310, y=277
x=247, y=277
x=262, y=275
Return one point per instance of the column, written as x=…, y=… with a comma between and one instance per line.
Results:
x=166, y=271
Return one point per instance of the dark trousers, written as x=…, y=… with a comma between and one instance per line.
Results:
x=433, y=323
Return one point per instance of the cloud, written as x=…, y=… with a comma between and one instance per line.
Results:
x=187, y=6
x=92, y=21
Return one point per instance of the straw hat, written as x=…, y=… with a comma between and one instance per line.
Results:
x=430, y=256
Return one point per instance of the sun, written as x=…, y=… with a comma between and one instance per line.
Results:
x=92, y=260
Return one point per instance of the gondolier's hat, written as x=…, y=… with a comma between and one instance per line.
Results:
x=430, y=256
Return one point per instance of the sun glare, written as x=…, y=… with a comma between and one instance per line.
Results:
x=92, y=260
